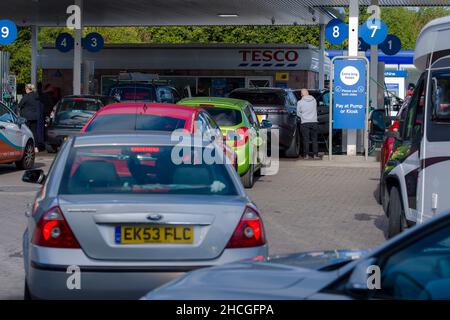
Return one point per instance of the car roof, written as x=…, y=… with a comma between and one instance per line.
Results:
x=127, y=138
x=153, y=108
x=86, y=96
x=215, y=102
x=262, y=89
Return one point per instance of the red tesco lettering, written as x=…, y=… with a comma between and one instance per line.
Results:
x=269, y=55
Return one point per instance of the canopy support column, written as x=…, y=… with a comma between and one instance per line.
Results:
x=78, y=51
x=352, y=51
x=373, y=85
x=322, y=58
x=34, y=43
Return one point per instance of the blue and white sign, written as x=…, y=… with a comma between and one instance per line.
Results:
x=336, y=31
x=349, y=94
x=93, y=42
x=64, y=42
x=8, y=32
x=373, y=31
x=396, y=73
x=391, y=45
x=362, y=45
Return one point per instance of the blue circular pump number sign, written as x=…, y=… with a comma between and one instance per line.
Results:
x=8, y=32
x=362, y=45
x=373, y=32
x=64, y=42
x=391, y=45
x=336, y=31
x=93, y=42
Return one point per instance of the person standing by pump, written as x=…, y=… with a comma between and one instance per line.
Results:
x=30, y=108
x=307, y=112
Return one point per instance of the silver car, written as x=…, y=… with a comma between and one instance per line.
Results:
x=414, y=265
x=117, y=216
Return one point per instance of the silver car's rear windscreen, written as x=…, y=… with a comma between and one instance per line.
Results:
x=146, y=169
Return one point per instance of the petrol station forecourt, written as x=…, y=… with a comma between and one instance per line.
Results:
x=111, y=203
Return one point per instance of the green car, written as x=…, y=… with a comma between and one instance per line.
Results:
x=241, y=128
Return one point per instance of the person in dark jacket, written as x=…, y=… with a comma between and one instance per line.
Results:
x=30, y=107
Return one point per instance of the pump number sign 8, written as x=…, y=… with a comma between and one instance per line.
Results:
x=336, y=31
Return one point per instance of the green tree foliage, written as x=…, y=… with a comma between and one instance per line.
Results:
x=403, y=22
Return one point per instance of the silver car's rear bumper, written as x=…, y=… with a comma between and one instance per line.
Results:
x=47, y=284
x=47, y=274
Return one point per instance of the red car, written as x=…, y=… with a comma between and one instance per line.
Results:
x=139, y=116
x=388, y=143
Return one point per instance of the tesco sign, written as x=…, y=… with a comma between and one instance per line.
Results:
x=269, y=55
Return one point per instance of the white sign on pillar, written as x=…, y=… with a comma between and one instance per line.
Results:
x=74, y=21
x=353, y=43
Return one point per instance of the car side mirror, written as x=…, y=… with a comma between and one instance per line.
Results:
x=21, y=121
x=377, y=126
x=266, y=124
x=34, y=176
x=358, y=283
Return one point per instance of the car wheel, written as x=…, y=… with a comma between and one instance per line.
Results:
x=51, y=148
x=248, y=178
x=27, y=160
x=397, y=220
x=26, y=292
x=384, y=193
x=380, y=192
x=294, y=149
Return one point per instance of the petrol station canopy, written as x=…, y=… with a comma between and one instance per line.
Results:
x=187, y=12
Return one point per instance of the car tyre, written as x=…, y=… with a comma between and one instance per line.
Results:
x=28, y=157
x=248, y=179
x=294, y=149
x=51, y=148
x=397, y=220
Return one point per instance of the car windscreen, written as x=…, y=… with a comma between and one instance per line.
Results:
x=143, y=170
x=259, y=98
x=224, y=116
x=75, y=112
x=126, y=122
x=133, y=93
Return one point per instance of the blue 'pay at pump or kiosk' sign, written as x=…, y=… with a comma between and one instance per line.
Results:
x=349, y=99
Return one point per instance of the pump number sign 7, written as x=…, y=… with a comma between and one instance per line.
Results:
x=373, y=32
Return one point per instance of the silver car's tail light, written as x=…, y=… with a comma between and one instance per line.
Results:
x=53, y=231
x=249, y=232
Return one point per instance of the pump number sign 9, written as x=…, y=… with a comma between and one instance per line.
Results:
x=8, y=32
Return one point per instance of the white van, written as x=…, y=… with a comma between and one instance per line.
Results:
x=416, y=182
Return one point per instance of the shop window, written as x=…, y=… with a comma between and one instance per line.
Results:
x=218, y=87
x=181, y=84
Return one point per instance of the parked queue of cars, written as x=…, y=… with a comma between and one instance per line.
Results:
x=199, y=214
